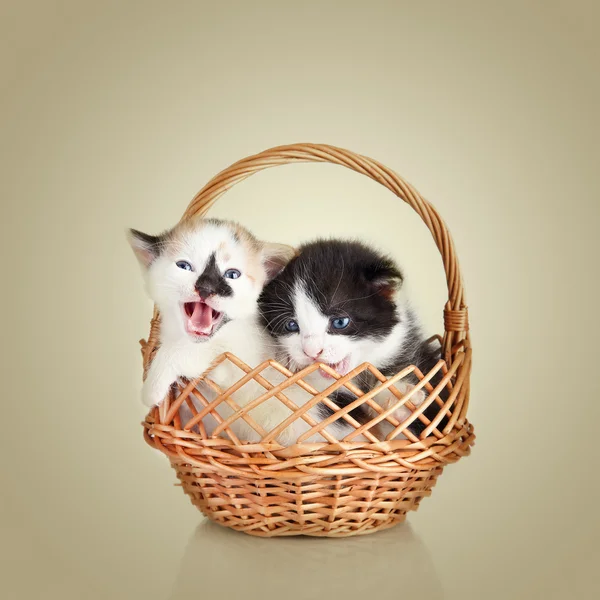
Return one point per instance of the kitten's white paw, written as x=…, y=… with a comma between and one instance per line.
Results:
x=151, y=396
x=403, y=412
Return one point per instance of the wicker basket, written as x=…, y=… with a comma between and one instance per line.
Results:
x=328, y=488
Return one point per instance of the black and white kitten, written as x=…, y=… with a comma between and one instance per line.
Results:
x=339, y=303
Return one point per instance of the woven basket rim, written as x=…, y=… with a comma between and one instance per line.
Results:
x=163, y=431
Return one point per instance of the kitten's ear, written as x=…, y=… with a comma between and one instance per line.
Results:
x=146, y=247
x=385, y=277
x=275, y=257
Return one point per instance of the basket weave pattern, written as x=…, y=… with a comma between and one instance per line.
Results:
x=364, y=482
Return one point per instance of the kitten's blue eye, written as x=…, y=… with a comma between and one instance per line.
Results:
x=340, y=323
x=184, y=264
x=292, y=326
x=232, y=274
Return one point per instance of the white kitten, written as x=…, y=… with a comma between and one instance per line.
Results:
x=205, y=276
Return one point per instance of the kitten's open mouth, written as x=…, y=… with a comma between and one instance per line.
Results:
x=200, y=319
x=342, y=368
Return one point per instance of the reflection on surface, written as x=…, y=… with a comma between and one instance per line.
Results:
x=387, y=564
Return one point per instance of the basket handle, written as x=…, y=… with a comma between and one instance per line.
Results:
x=456, y=324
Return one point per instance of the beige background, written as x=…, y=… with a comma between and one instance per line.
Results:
x=113, y=114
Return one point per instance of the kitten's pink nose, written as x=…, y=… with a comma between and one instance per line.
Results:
x=312, y=353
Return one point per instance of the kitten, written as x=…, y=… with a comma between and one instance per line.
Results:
x=339, y=303
x=205, y=276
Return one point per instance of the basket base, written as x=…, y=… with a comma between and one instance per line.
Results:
x=308, y=531
x=334, y=506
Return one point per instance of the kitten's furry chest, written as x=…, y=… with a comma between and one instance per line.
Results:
x=246, y=341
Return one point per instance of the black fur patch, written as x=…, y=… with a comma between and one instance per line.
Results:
x=344, y=279
x=149, y=240
x=152, y=244
x=212, y=282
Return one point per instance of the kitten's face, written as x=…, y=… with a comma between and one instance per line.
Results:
x=332, y=304
x=204, y=273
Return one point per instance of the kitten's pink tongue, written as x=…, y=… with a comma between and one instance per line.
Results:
x=202, y=317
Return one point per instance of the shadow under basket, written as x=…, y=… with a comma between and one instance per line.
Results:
x=359, y=484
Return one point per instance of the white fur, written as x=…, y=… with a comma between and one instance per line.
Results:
x=169, y=286
x=180, y=355
x=314, y=338
x=248, y=341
